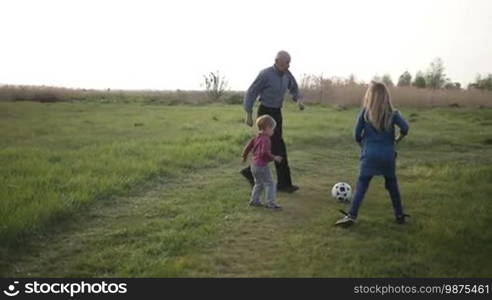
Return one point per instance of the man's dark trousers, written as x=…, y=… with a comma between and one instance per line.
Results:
x=278, y=148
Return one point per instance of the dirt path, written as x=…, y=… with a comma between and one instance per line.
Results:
x=257, y=242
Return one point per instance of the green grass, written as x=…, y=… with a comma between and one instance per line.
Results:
x=107, y=189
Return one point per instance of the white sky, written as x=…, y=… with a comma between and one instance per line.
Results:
x=170, y=44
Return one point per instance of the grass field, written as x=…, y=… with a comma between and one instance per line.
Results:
x=108, y=189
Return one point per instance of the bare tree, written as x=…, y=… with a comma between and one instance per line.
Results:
x=215, y=85
x=316, y=83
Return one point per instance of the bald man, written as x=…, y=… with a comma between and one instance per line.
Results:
x=270, y=86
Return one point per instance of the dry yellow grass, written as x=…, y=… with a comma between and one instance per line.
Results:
x=57, y=94
x=334, y=94
x=351, y=94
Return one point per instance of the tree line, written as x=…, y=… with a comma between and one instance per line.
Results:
x=435, y=78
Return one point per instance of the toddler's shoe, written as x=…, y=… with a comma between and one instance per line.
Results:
x=255, y=203
x=273, y=206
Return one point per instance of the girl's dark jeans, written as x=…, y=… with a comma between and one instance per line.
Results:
x=391, y=185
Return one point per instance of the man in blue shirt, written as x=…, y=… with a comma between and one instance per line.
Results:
x=270, y=86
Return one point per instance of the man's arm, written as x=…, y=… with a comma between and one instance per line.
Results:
x=294, y=91
x=253, y=92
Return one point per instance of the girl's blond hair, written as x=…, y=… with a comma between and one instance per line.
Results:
x=265, y=121
x=378, y=106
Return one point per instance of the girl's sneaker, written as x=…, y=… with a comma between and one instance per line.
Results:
x=273, y=206
x=345, y=221
x=401, y=219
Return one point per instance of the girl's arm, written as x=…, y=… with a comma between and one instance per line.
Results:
x=399, y=138
x=359, y=127
x=402, y=124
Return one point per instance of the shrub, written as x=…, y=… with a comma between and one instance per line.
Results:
x=215, y=85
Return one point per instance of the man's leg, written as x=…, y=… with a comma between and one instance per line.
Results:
x=284, y=181
x=283, y=170
x=278, y=148
x=246, y=172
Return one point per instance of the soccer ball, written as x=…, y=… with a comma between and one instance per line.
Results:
x=342, y=192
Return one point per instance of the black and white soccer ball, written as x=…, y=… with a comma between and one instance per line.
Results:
x=342, y=192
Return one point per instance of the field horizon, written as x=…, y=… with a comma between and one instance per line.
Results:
x=343, y=94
